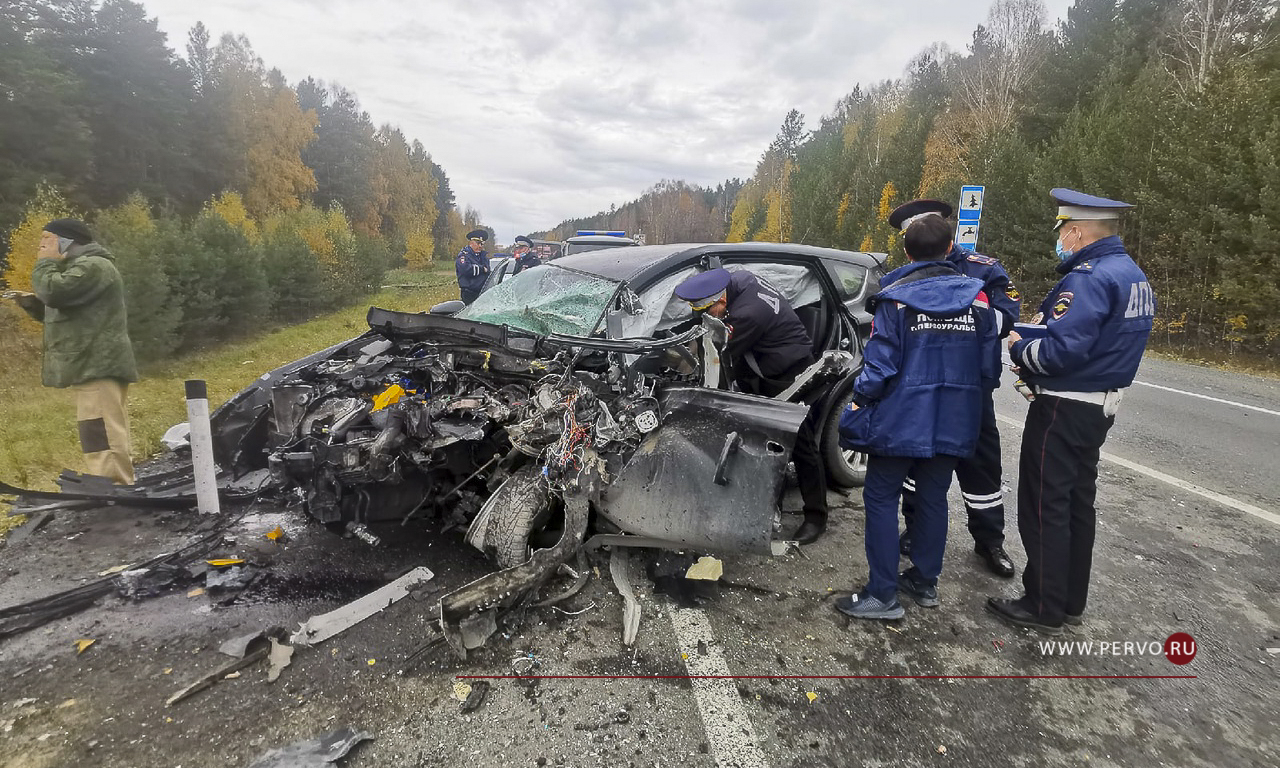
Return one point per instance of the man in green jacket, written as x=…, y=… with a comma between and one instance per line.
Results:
x=79, y=297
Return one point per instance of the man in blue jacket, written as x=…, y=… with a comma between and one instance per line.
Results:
x=980, y=474
x=1096, y=323
x=917, y=408
x=522, y=251
x=473, y=265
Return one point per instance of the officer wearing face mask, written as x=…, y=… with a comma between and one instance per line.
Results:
x=1096, y=322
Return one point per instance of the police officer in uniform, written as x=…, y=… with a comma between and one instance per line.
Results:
x=473, y=265
x=1096, y=323
x=979, y=474
x=524, y=254
x=917, y=407
x=768, y=347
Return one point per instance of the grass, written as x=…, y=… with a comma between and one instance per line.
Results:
x=38, y=436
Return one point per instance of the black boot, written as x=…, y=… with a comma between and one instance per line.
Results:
x=814, y=525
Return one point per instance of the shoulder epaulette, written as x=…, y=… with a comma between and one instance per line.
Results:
x=978, y=258
x=1084, y=266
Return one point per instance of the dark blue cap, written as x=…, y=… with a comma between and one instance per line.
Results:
x=483, y=234
x=904, y=215
x=522, y=240
x=703, y=286
x=1078, y=206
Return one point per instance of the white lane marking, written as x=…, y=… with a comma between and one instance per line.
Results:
x=732, y=740
x=1156, y=474
x=1207, y=397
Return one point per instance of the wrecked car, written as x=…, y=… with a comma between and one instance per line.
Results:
x=579, y=396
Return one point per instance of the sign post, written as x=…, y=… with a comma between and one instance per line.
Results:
x=969, y=215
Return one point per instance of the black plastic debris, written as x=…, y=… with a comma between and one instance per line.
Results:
x=479, y=689
x=313, y=753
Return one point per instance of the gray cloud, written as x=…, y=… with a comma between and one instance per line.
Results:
x=542, y=111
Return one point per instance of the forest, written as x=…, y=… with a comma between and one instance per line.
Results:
x=1172, y=105
x=229, y=197
x=234, y=197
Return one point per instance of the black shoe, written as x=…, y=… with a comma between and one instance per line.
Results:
x=926, y=596
x=1074, y=621
x=810, y=530
x=1011, y=612
x=904, y=544
x=996, y=558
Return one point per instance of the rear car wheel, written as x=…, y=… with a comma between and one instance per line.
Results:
x=845, y=468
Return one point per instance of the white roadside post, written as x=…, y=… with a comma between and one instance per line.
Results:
x=206, y=472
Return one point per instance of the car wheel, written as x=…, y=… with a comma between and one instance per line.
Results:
x=845, y=468
x=523, y=504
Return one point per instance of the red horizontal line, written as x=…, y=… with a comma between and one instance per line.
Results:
x=827, y=677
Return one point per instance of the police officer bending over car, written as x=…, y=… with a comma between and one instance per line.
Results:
x=768, y=347
x=1095, y=327
x=917, y=409
x=979, y=474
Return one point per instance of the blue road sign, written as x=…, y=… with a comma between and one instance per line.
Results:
x=967, y=234
x=970, y=208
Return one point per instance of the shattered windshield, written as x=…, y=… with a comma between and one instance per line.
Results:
x=543, y=300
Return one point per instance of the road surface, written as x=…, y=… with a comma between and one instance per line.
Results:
x=776, y=663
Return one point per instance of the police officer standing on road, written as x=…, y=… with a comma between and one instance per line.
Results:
x=768, y=347
x=1096, y=323
x=917, y=408
x=473, y=265
x=524, y=254
x=979, y=474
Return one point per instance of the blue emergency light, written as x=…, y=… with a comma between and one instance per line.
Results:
x=610, y=233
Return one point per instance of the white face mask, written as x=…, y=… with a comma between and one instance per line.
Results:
x=64, y=243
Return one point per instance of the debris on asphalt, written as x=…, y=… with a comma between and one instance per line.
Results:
x=575, y=613
x=942, y=750
x=34, y=523
x=313, y=753
x=475, y=697
x=523, y=665
x=234, y=578
x=115, y=569
x=216, y=675
x=198, y=591
x=706, y=569
x=811, y=696
x=276, y=534
x=998, y=645
x=461, y=690
x=620, y=569
x=83, y=645
x=317, y=629
x=225, y=562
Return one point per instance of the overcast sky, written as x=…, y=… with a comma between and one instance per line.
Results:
x=543, y=110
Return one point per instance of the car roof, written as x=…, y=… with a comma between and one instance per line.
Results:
x=605, y=239
x=630, y=263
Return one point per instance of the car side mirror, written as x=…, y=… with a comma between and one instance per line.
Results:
x=452, y=307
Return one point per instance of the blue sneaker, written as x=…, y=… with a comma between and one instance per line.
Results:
x=926, y=596
x=864, y=606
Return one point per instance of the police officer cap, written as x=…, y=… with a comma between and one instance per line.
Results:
x=1081, y=207
x=910, y=212
x=522, y=240
x=480, y=233
x=74, y=230
x=704, y=288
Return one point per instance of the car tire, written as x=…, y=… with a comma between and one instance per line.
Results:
x=845, y=469
x=522, y=506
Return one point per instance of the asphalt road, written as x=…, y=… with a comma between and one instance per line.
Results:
x=805, y=685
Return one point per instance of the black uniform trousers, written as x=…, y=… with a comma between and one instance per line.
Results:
x=1057, y=485
x=811, y=470
x=469, y=295
x=979, y=477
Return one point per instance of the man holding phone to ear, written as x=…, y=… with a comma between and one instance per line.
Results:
x=79, y=297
